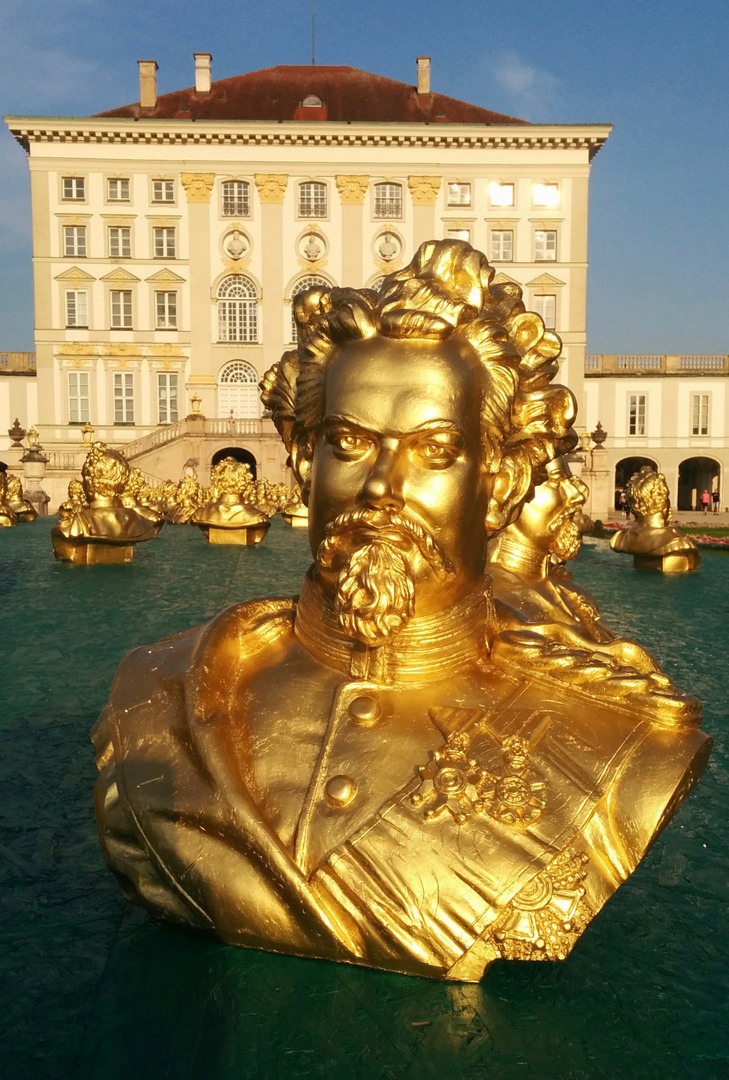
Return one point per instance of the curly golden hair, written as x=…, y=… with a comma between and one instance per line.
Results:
x=647, y=493
x=446, y=291
x=231, y=477
x=105, y=471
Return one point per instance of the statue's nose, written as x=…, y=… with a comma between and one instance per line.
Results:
x=381, y=489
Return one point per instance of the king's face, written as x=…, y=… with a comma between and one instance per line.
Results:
x=401, y=435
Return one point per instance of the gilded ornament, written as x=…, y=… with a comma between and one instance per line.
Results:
x=14, y=499
x=390, y=769
x=424, y=189
x=198, y=186
x=8, y=518
x=352, y=189
x=271, y=186
x=653, y=542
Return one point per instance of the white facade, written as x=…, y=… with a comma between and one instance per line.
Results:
x=166, y=251
x=666, y=411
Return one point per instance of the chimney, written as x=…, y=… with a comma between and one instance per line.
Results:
x=423, y=74
x=202, y=72
x=147, y=83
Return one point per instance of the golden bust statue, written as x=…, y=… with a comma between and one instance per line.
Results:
x=95, y=525
x=653, y=542
x=8, y=517
x=187, y=498
x=294, y=512
x=374, y=772
x=20, y=506
x=230, y=515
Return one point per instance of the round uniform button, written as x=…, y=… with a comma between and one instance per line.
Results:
x=364, y=711
x=340, y=791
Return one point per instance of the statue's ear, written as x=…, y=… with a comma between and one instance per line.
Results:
x=301, y=460
x=509, y=488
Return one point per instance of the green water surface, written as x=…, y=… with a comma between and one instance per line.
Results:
x=92, y=989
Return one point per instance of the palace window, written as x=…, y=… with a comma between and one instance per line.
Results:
x=546, y=195
x=636, y=414
x=163, y=191
x=308, y=282
x=501, y=194
x=121, y=309
x=74, y=187
x=164, y=243
x=165, y=310
x=236, y=198
x=167, y=408
x=388, y=201
x=238, y=391
x=545, y=245
x=117, y=190
x=459, y=194
x=78, y=397
x=700, y=414
x=77, y=311
x=237, y=310
x=120, y=242
x=459, y=234
x=502, y=245
x=312, y=200
x=546, y=306
x=74, y=241
x=123, y=397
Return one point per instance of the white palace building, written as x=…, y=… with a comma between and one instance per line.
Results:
x=170, y=236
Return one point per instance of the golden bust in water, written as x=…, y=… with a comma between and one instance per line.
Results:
x=95, y=525
x=373, y=772
x=653, y=542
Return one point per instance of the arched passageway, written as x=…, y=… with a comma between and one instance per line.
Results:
x=697, y=474
x=626, y=468
x=240, y=454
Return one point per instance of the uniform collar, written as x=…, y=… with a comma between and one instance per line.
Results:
x=430, y=647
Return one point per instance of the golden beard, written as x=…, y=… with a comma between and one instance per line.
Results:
x=375, y=596
x=567, y=540
x=375, y=587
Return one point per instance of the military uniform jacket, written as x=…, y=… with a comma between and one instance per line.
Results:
x=424, y=807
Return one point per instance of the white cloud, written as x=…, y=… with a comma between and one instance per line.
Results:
x=531, y=89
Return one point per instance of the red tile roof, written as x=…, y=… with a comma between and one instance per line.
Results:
x=347, y=93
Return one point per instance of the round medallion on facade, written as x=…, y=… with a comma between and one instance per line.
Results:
x=312, y=247
x=236, y=244
x=388, y=247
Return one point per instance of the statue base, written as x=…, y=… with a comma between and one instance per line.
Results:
x=89, y=552
x=250, y=534
x=295, y=521
x=669, y=564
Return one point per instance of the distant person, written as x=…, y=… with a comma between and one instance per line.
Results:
x=623, y=502
x=715, y=500
x=705, y=500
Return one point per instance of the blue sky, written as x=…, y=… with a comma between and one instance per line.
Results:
x=657, y=70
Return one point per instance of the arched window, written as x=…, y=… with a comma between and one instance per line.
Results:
x=312, y=199
x=388, y=201
x=237, y=310
x=238, y=391
x=376, y=284
x=236, y=198
x=307, y=282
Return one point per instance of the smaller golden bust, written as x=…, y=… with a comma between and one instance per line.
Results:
x=230, y=515
x=294, y=512
x=22, y=509
x=187, y=498
x=140, y=496
x=8, y=517
x=532, y=587
x=94, y=525
x=652, y=541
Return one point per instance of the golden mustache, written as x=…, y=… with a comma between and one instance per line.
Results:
x=386, y=527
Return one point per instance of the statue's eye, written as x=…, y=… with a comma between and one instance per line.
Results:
x=438, y=452
x=348, y=443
